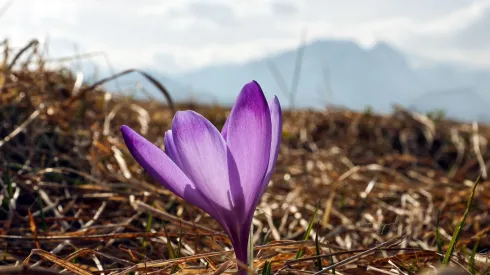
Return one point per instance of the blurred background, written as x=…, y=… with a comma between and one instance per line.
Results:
x=429, y=56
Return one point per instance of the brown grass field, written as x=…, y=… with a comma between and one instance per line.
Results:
x=389, y=192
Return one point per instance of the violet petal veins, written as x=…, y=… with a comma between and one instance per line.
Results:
x=224, y=174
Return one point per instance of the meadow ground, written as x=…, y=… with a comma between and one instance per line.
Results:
x=383, y=194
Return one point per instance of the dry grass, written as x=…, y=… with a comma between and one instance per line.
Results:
x=73, y=198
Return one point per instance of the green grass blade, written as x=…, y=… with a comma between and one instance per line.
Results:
x=306, y=236
x=179, y=247
x=7, y=180
x=149, y=222
x=473, y=254
x=175, y=268
x=171, y=251
x=318, y=253
x=438, y=233
x=457, y=232
x=333, y=262
x=266, y=237
x=41, y=209
x=267, y=268
x=147, y=229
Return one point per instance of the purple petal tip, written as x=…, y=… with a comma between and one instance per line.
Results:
x=126, y=131
x=254, y=85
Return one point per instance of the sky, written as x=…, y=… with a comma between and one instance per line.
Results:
x=177, y=36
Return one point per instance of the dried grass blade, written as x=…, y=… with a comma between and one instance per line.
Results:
x=54, y=259
x=33, y=228
x=150, y=78
x=25, y=270
x=23, y=125
x=347, y=260
x=32, y=43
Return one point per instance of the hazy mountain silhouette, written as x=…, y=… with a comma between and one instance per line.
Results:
x=338, y=72
x=343, y=73
x=464, y=104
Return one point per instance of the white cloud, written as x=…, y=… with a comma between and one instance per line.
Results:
x=186, y=34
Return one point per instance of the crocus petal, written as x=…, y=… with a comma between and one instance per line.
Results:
x=249, y=139
x=240, y=241
x=276, y=119
x=224, y=130
x=170, y=148
x=204, y=156
x=162, y=168
x=216, y=211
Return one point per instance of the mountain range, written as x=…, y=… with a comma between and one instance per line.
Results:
x=342, y=73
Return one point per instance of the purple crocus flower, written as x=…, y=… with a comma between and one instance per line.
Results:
x=224, y=174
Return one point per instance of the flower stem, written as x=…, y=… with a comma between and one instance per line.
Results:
x=251, y=250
